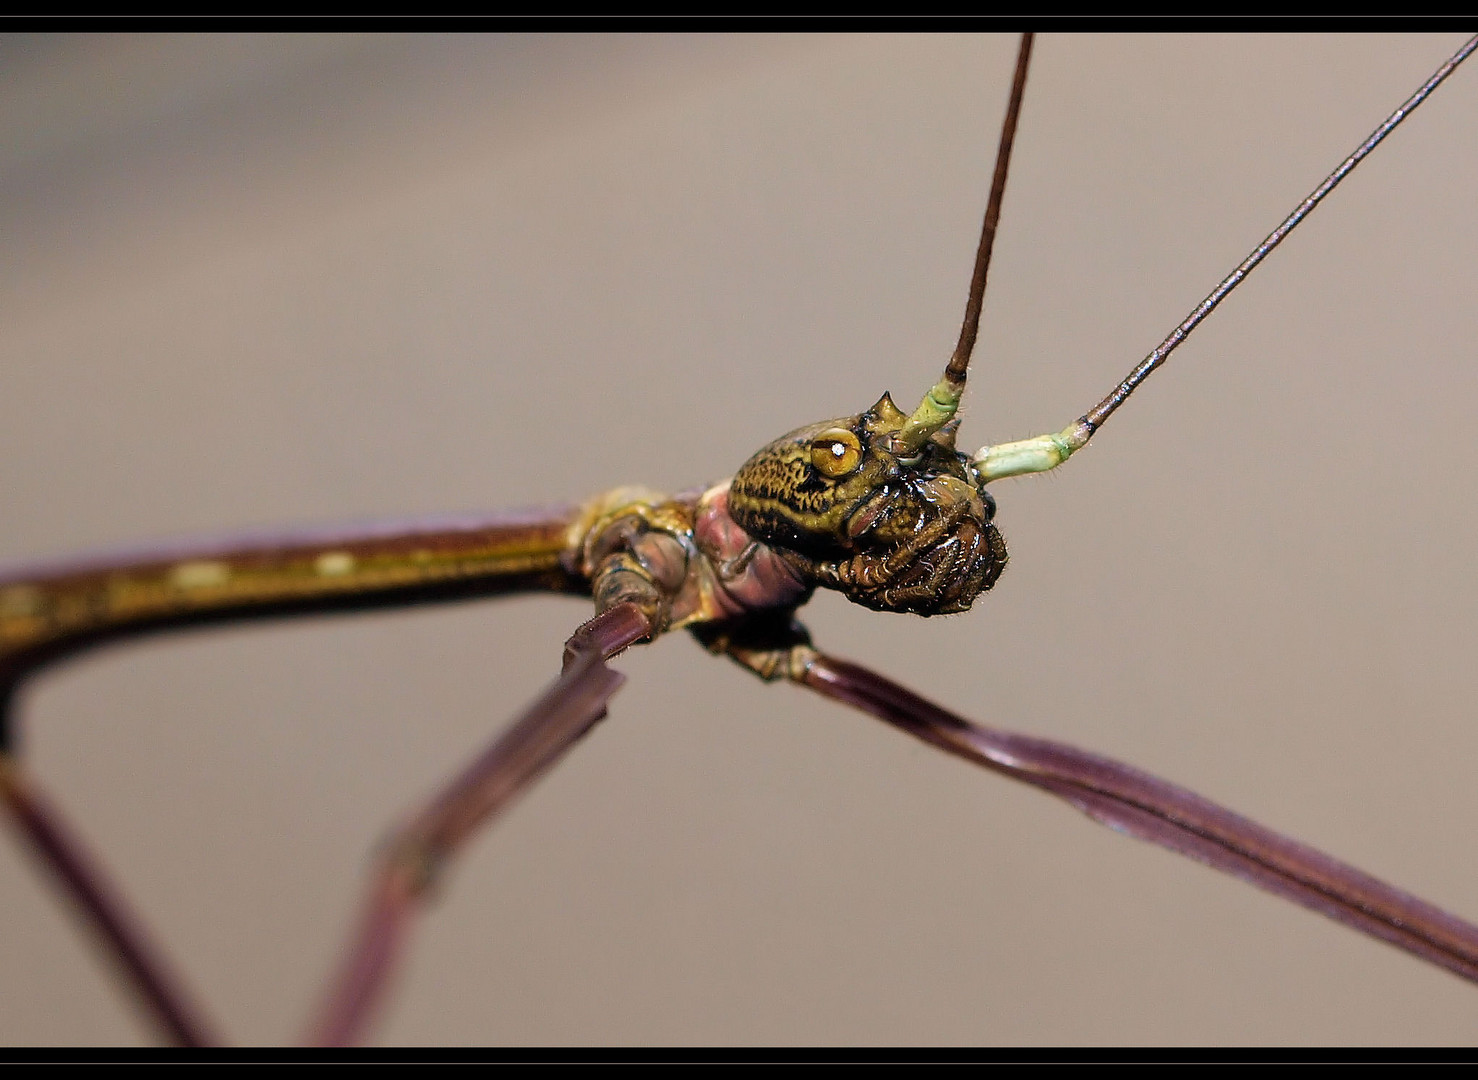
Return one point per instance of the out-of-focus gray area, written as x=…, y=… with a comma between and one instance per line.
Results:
x=259, y=280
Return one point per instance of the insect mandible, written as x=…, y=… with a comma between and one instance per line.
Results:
x=482, y=281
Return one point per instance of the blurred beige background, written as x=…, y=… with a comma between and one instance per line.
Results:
x=260, y=280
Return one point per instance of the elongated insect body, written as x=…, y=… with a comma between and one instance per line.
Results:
x=401, y=276
x=46, y=612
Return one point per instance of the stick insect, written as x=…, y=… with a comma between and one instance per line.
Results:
x=309, y=312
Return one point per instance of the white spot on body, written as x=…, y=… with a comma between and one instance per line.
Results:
x=333, y=564
x=199, y=575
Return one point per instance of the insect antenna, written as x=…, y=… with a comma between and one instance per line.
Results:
x=1048, y=451
x=943, y=399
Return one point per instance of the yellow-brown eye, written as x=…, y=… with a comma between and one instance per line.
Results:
x=836, y=452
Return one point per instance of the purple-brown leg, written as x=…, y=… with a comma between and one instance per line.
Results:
x=416, y=853
x=82, y=879
x=1132, y=801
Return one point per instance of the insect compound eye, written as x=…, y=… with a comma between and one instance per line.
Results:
x=836, y=453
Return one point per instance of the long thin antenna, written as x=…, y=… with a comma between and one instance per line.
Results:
x=1048, y=451
x=959, y=363
x=940, y=404
x=1101, y=412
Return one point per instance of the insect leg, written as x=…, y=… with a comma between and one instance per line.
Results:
x=58, y=846
x=412, y=860
x=1132, y=801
